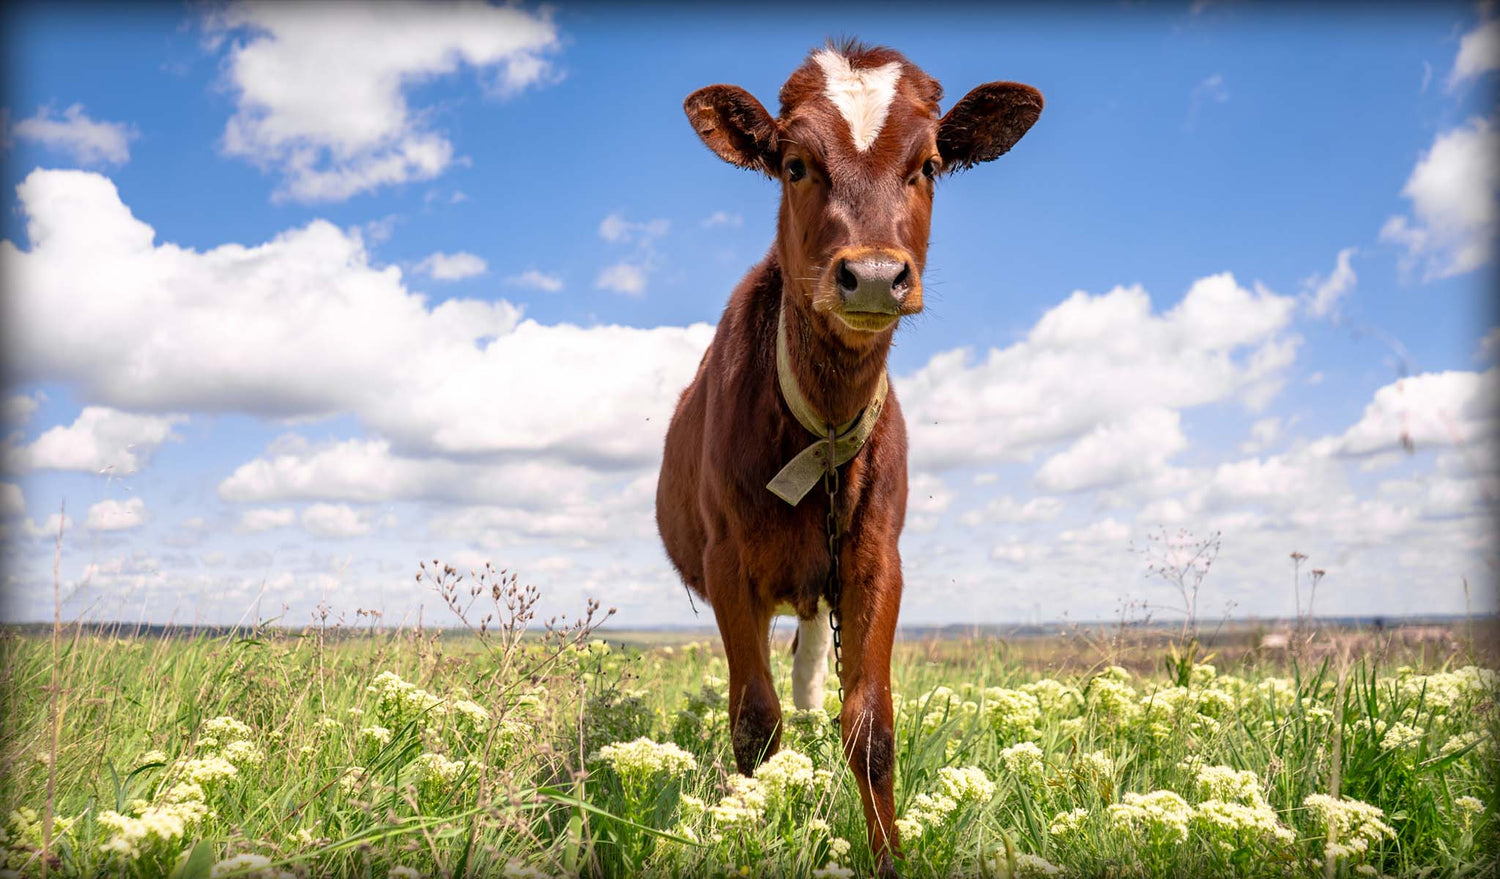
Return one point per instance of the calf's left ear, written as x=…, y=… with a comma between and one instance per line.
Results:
x=987, y=123
x=734, y=125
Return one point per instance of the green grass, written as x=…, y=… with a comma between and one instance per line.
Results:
x=487, y=759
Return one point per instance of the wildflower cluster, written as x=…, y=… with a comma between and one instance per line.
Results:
x=741, y=807
x=152, y=832
x=1025, y=761
x=1349, y=827
x=398, y=701
x=251, y=866
x=957, y=787
x=789, y=775
x=1012, y=714
x=1157, y=818
x=23, y=835
x=638, y=762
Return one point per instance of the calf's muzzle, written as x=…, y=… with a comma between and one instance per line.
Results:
x=874, y=281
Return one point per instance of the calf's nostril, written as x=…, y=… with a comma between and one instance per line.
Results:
x=847, y=282
x=902, y=280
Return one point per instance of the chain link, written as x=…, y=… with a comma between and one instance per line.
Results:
x=833, y=590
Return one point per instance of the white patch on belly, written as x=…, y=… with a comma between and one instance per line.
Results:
x=810, y=662
x=863, y=97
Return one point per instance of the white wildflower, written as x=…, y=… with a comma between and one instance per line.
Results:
x=377, y=734
x=743, y=806
x=1068, y=823
x=788, y=774
x=1024, y=760
x=207, y=770
x=155, y=826
x=639, y=761
x=966, y=784
x=397, y=698
x=248, y=866
x=1469, y=805
x=1401, y=737
x=227, y=729
x=1029, y=866
x=1012, y=714
x=243, y=753
x=1055, y=698
x=473, y=712
x=1157, y=817
x=437, y=769
x=1112, y=699
x=1241, y=825
x=1352, y=825
x=1094, y=764
x=1227, y=783
x=1482, y=745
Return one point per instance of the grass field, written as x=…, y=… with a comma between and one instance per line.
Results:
x=338, y=752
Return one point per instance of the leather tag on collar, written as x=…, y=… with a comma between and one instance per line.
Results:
x=801, y=473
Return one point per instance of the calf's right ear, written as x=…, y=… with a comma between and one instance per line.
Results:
x=734, y=125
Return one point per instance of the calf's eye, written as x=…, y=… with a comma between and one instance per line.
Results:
x=796, y=169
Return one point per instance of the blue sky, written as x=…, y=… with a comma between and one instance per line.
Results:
x=297, y=296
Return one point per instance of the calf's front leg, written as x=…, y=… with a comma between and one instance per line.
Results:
x=869, y=609
x=745, y=628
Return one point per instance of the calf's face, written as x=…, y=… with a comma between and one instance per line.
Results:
x=858, y=147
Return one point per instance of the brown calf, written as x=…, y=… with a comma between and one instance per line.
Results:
x=858, y=147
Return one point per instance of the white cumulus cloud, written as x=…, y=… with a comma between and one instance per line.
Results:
x=259, y=519
x=1325, y=294
x=1431, y=409
x=99, y=439
x=335, y=521
x=1095, y=360
x=49, y=529
x=534, y=280
x=1478, y=53
x=321, y=88
x=618, y=230
x=1453, y=193
x=114, y=515
x=1005, y=509
x=627, y=278
x=723, y=218
x=144, y=326
x=453, y=266
x=1115, y=453
x=87, y=141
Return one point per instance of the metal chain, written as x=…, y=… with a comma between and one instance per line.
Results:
x=833, y=590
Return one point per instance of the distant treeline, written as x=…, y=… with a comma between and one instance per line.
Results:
x=1239, y=626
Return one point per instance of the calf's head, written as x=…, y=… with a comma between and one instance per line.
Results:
x=858, y=147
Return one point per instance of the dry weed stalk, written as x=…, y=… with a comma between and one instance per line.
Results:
x=1182, y=561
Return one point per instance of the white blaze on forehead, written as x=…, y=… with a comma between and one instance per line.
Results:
x=862, y=96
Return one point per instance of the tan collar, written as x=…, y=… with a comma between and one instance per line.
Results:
x=800, y=474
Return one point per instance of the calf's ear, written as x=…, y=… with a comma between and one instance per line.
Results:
x=734, y=125
x=987, y=123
